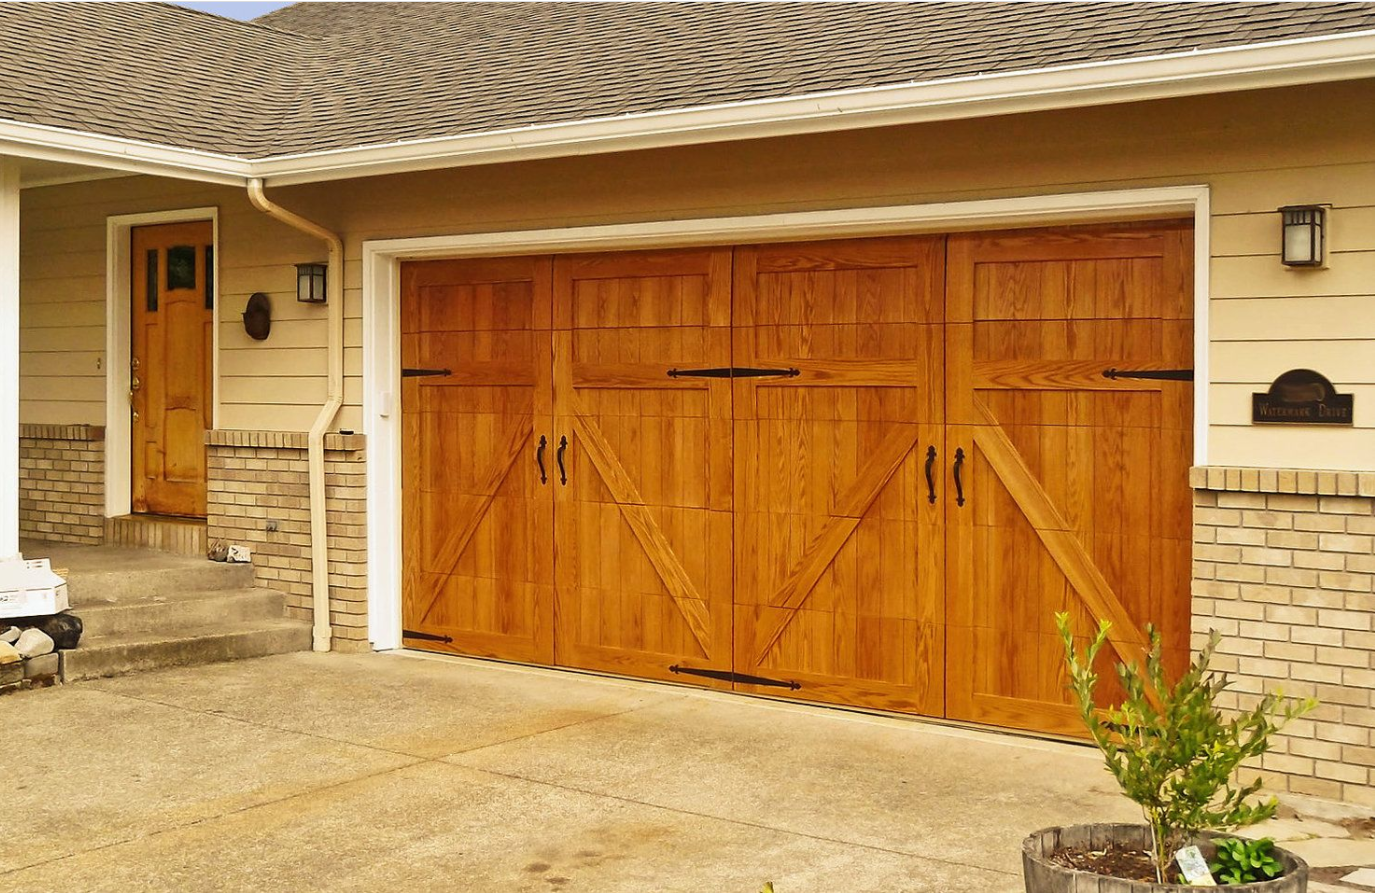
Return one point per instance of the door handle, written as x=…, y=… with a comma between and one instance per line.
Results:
x=563, y=472
x=539, y=458
x=930, y=480
x=959, y=484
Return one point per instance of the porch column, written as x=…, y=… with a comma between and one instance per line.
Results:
x=9, y=357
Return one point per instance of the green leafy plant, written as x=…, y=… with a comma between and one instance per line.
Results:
x=1170, y=747
x=1240, y=861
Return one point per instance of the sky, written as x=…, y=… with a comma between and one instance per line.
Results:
x=237, y=9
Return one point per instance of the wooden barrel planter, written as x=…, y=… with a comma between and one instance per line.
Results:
x=1046, y=876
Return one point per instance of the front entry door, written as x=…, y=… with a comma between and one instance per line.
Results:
x=173, y=317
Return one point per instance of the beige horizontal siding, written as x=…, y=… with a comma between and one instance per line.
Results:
x=1265, y=318
x=1301, y=318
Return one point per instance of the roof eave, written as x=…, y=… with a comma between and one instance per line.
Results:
x=23, y=140
x=1287, y=63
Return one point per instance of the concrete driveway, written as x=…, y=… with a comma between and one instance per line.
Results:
x=405, y=772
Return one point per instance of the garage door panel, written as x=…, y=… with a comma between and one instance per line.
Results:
x=643, y=545
x=1068, y=472
x=476, y=517
x=838, y=568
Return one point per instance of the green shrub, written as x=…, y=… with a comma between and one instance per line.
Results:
x=1177, y=757
x=1241, y=861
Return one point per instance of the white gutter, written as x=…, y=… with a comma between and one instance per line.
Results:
x=39, y=141
x=1281, y=63
x=315, y=440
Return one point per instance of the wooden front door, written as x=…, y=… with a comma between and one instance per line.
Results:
x=1073, y=475
x=477, y=514
x=642, y=545
x=173, y=316
x=839, y=539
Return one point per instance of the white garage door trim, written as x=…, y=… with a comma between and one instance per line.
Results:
x=381, y=311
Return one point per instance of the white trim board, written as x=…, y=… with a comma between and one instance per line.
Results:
x=381, y=312
x=119, y=342
x=10, y=201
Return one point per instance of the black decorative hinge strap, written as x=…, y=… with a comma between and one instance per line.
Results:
x=1156, y=374
x=742, y=678
x=733, y=372
x=428, y=637
x=421, y=373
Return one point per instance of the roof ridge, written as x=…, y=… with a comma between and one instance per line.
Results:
x=248, y=23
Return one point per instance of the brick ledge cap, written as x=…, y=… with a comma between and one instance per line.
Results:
x=89, y=433
x=282, y=440
x=1303, y=481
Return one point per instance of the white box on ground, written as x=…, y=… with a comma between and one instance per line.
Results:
x=29, y=588
x=239, y=554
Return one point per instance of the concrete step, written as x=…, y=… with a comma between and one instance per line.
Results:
x=179, y=536
x=133, y=652
x=169, y=613
x=159, y=575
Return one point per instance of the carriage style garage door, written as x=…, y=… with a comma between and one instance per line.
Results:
x=865, y=472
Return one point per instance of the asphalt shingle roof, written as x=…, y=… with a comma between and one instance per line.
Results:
x=319, y=76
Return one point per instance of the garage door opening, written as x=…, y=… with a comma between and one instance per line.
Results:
x=864, y=472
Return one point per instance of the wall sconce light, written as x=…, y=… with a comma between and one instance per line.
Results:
x=1303, y=235
x=310, y=283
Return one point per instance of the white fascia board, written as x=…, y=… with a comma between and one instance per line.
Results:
x=1282, y=63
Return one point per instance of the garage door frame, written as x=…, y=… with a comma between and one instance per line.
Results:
x=381, y=310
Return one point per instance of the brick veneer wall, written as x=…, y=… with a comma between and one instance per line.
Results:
x=258, y=479
x=62, y=483
x=1284, y=567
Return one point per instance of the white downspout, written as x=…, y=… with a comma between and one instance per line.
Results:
x=315, y=441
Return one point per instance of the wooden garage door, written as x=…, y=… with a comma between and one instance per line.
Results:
x=643, y=525
x=1073, y=474
x=477, y=516
x=839, y=580
x=869, y=470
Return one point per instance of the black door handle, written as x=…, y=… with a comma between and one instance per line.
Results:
x=539, y=458
x=563, y=472
x=959, y=485
x=930, y=480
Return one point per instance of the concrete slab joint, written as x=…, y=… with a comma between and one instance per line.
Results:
x=1284, y=568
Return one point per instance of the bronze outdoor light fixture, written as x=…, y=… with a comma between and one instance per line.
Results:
x=310, y=283
x=257, y=316
x=1303, y=235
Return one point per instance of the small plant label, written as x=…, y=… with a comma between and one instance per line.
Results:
x=1194, y=867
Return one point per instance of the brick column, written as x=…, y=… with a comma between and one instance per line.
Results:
x=62, y=483
x=1285, y=569
x=259, y=497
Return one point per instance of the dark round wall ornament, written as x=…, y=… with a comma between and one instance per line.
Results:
x=257, y=317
